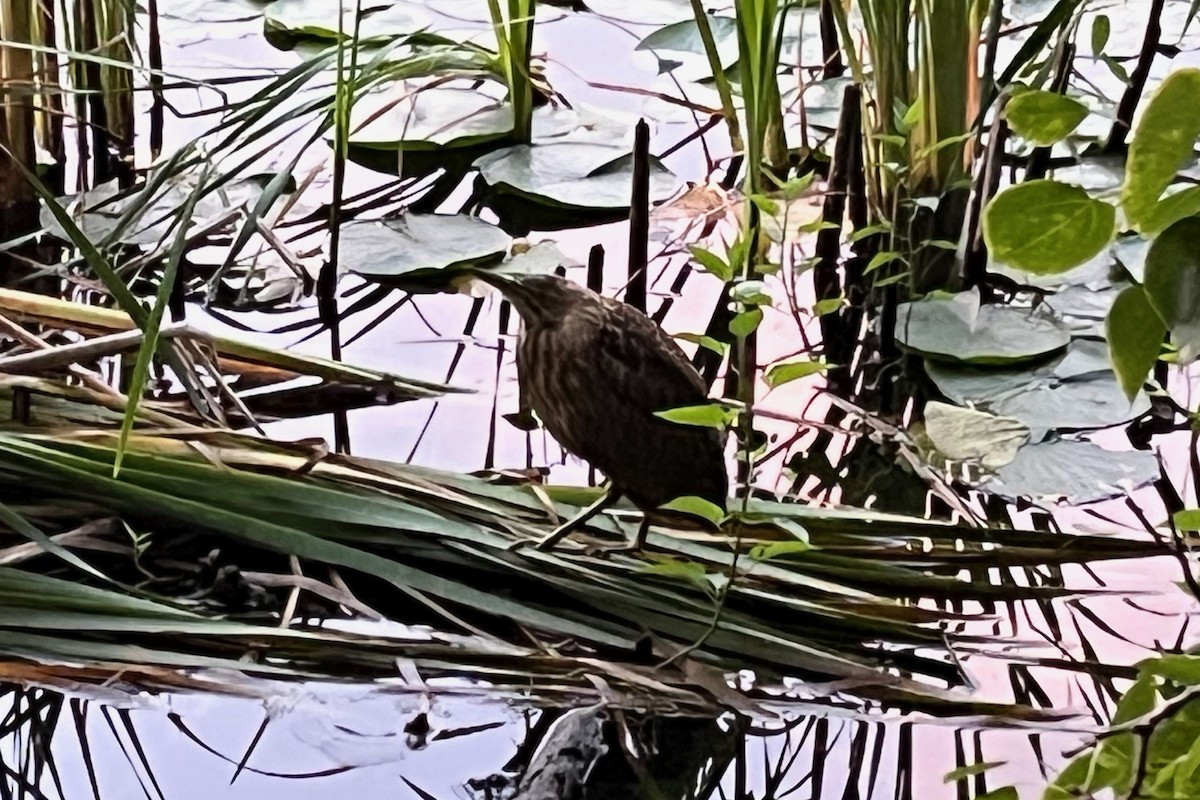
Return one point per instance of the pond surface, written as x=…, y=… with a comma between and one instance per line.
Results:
x=360, y=733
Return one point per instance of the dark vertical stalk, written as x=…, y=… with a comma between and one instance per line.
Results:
x=1137, y=82
x=831, y=53
x=987, y=182
x=95, y=121
x=827, y=277
x=639, y=218
x=158, y=104
x=595, y=268
x=51, y=99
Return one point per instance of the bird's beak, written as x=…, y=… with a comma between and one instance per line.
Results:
x=509, y=285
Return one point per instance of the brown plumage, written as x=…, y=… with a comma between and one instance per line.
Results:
x=595, y=370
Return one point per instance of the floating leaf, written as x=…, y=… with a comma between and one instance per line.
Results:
x=580, y=175
x=418, y=247
x=947, y=330
x=1044, y=117
x=963, y=434
x=1077, y=472
x=1136, y=334
x=1046, y=227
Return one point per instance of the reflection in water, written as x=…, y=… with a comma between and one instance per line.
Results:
x=322, y=741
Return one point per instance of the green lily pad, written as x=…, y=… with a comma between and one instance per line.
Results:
x=959, y=329
x=1076, y=472
x=319, y=18
x=419, y=249
x=650, y=12
x=571, y=175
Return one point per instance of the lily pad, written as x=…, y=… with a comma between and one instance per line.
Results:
x=1076, y=472
x=420, y=248
x=572, y=175
x=958, y=329
x=1075, y=391
x=319, y=18
x=963, y=434
x=401, y=117
x=650, y=12
x=97, y=214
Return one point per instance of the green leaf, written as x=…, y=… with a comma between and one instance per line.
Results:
x=766, y=552
x=746, y=323
x=1187, y=520
x=688, y=571
x=1162, y=144
x=885, y=257
x=787, y=371
x=823, y=307
x=1172, y=282
x=1044, y=117
x=1101, y=27
x=697, y=507
x=145, y=356
x=709, y=415
x=712, y=263
x=707, y=342
x=870, y=230
x=1135, y=335
x=1003, y=793
x=765, y=204
x=978, y=768
x=1046, y=228
x=1116, y=68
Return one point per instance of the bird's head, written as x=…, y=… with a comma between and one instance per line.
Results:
x=539, y=299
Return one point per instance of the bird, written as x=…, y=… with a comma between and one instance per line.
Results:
x=596, y=371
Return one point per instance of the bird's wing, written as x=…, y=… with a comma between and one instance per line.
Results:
x=644, y=366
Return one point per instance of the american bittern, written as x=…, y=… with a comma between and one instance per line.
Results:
x=596, y=370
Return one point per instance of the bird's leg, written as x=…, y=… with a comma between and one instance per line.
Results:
x=573, y=524
x=636, y=546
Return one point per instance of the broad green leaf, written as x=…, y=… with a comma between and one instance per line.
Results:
x=1182, y=668
x=1162, y=144
x=881, y=258
x=710, y=415
x=783, y=372
x=745, y=323
x=1003, y=793
x=1172, y=282
x=712, y=263
x=1044, y=117
x=697, y=507
x=1046, y=227
x=1135, y=335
